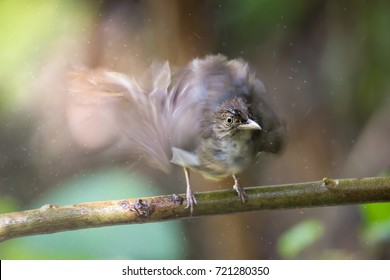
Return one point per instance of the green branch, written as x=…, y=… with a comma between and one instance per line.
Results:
x=328, y=192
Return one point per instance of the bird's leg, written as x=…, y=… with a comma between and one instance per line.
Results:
x=189, y=195
x=240, y=190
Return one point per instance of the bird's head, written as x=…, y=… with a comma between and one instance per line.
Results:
x=233, y=116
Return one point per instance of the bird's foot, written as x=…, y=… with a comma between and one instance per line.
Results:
x=191, y=200
x=240, y=190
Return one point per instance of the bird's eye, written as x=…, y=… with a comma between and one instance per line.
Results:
x=229, y=119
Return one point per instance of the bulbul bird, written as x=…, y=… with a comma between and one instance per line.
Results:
x=209, y=116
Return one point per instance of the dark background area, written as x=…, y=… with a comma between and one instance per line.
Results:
x=325, y=65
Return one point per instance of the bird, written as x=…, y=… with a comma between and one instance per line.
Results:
x=208, y=117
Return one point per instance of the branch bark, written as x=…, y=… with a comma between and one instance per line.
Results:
x=52, y=218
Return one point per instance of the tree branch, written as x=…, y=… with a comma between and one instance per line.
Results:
x=52, y=218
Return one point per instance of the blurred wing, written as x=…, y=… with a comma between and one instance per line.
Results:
x=273, y=130
x=108, y=108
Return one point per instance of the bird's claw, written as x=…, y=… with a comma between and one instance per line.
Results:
x=191, y=200
x=240, y=190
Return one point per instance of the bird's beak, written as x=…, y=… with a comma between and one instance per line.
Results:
x=250, y=125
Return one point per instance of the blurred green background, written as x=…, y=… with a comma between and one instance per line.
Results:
x=325, y=65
